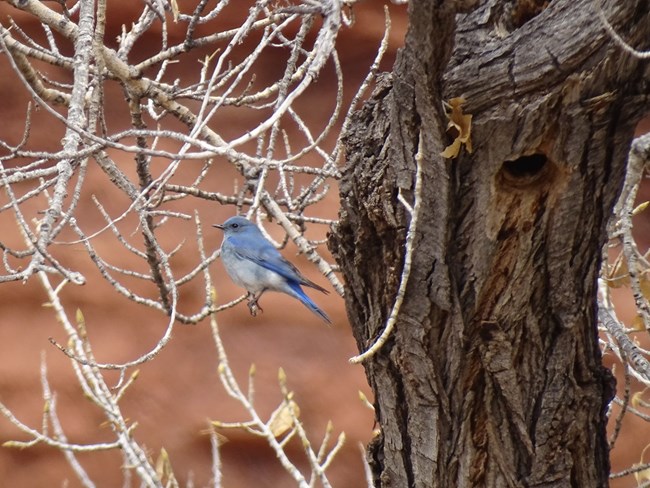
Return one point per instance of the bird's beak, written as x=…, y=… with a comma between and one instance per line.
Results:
x=218, y=226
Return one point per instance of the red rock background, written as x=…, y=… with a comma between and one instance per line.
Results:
x=178, y=392
x=633, y=436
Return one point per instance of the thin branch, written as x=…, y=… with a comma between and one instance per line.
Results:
x=408, y=257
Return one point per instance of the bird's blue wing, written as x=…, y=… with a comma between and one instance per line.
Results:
x=267, y=256
x=262, y=252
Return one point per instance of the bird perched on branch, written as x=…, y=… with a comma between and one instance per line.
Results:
x=253, y=263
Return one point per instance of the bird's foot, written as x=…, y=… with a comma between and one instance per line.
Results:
x=253, y=306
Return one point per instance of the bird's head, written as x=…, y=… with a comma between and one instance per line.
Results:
x=235, y=225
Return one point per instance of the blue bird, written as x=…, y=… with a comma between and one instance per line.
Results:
x=253, y=263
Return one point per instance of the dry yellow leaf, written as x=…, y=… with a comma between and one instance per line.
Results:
x=462, y=125
x=637, y=323
x=80, y=317
x=644, y=283
x=641, y=476
x=618, y=274
x=164, y=467
x=282, y=418
x=452, y=150
x=175, y=10
x=636, y=399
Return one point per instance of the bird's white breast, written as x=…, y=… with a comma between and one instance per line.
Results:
x=250, y=275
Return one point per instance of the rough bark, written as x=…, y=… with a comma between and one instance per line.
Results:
x=493, y=375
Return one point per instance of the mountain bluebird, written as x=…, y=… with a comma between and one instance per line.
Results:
x=253, y=263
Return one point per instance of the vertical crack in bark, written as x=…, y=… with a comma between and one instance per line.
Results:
x=403, y=409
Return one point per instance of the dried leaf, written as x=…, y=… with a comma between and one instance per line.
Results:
x=80, y=317
x=452, y=150
x=618, y=274
x=636, y=399
x=282, y=419
x=175, y=10
x=641, y=476
x=462, y=125
x=81, y=324
x=637, y=323
x=164, y=469
x=644, y=283
x=163, y=459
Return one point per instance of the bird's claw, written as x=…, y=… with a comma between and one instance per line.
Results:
x=254, y=307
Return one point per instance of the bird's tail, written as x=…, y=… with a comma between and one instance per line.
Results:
x=302, y=296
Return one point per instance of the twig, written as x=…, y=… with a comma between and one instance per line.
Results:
x=408, y=256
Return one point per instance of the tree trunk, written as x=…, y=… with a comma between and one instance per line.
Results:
x=493, y=374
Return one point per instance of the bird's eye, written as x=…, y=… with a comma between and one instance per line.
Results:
x=234, y=226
